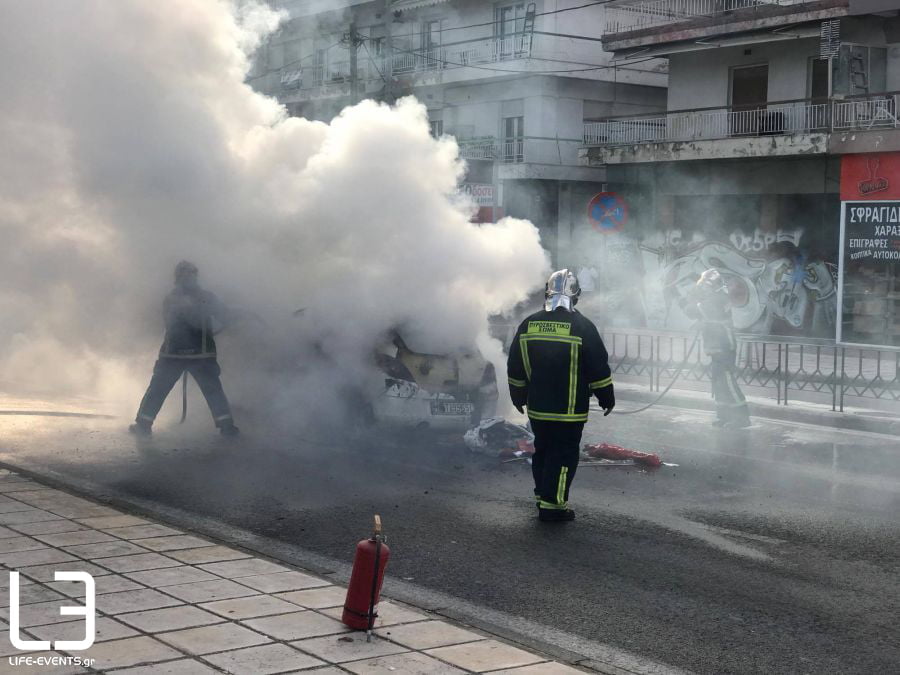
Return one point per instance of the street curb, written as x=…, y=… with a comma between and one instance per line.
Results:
x=784, y=413
x=280, y=552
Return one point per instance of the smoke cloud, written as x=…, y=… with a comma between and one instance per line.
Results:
x=130, y=141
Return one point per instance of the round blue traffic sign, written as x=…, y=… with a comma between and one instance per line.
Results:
x=607, y=212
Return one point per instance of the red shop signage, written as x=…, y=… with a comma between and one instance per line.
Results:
x=870, y=176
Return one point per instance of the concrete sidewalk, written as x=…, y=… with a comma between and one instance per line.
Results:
x=174, y=603
x=631, y=395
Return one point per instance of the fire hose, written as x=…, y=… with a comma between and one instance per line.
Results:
x=670, y=385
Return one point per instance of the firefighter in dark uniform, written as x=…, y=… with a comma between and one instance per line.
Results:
x=557, y=361
x=191, y=315
x=709, y=302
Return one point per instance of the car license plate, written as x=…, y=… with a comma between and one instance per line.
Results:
x=451, y=408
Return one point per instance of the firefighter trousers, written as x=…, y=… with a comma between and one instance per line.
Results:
x=731, y=406
x=556, y=449
x=166, y=373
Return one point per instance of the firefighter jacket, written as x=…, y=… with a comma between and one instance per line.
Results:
x=191, y=315
x=556, y=362
x=713, y=309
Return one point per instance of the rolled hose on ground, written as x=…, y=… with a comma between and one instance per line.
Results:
x=666, y=390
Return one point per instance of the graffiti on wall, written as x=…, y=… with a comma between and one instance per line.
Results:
x=776, y=285
x=761, y=240
x=789, y=290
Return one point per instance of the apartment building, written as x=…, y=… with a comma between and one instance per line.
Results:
x=779, y=113
x=513, y=81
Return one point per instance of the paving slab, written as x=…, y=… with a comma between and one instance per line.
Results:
x=27, y=516
x=104, y=629
x=181, y=667
x=250, y=607
x=208, y=591
x=45, y=573
x=428, y=634
x=215, y=638
x=411, y=663
x=282, y=581
x=49, y=527
x=484, y=656
x=141, y=531
x=74, y=538
x=296, y=625
x=173, y=543
x=138, y=562
x=134, y=601
x=108, y=583
x=169, y=618
x=344, y=648
x=541, y=669
x=104, y=522
x=207, y=554
x=264, y=660
x=109, y=549
x=243, y=568
x=130, y=652
x=171, y=576
x=316, y=598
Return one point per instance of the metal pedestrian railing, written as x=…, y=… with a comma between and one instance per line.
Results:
x=876, y=111
x=783, y=366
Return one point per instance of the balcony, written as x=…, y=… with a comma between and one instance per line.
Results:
x=488, y=148
x=333, y=77
x=641, y=15
x=776, y=118
x=652, y=23
x=790, y=127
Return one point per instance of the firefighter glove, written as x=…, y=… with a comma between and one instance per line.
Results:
x=606, y=398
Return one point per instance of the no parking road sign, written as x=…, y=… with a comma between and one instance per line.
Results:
x=607, y=212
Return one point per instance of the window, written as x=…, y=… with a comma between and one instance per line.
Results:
x=749, y=92
x=431, y=44
x=320, y=63
x=436, y=127
x=859, y=70
x=819, y=88
x=749, y=87
x=514, y=140
x=509, y=28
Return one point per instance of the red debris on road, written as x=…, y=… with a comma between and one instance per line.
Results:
x=610, y=451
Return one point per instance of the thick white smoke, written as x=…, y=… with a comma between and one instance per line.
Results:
x=130, y=141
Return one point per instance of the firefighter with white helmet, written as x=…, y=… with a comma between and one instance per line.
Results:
x=557, y=361
x=709, y=302
x=191, y=315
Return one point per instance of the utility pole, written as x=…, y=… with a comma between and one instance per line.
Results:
x=354, y=63
x=388, y=15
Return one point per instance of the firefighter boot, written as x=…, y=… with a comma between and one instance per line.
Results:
x=229, y=429
x=141, y=428
x=555, y=515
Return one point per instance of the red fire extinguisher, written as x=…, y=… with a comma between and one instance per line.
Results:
x=360, y=607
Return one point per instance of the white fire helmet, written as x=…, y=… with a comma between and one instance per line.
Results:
x=562, y=290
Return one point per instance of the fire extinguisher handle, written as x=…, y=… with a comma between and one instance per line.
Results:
x=377, y=525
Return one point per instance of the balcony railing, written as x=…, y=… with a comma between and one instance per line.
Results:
x=771, y=119
x=640, y=15
x=410, y=61
x=478, y=148
x=506, y=150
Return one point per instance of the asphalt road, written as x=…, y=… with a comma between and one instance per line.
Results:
x=770, y=550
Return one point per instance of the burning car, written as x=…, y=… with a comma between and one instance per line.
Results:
x=438, y=391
